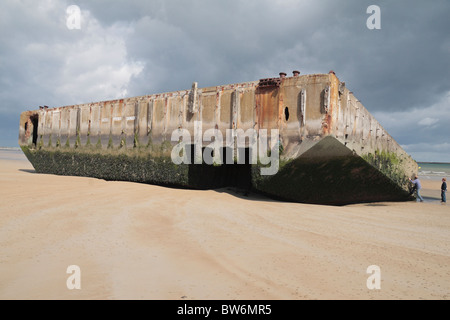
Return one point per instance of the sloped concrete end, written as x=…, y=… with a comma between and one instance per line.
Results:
x=330, y=173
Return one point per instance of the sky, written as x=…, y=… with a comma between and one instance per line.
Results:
x=401, y=72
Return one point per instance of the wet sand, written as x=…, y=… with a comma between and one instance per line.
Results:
x=136, y=241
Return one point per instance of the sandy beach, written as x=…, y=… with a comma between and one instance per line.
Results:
x=136, y=241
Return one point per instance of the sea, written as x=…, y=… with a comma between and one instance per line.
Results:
x=434, y=170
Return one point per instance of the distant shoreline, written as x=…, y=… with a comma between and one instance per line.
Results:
x=10, y=148
x=419, y=162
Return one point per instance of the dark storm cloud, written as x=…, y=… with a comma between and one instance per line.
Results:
x=141, y=47
x=399, y=67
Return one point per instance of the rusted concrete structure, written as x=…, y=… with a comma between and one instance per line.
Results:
x=333, y=150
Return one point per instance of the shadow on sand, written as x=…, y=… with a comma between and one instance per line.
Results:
x=28, y=170
x=252, y=195
x=246, y=195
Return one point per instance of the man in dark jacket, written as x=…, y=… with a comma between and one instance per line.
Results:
x=444, y=190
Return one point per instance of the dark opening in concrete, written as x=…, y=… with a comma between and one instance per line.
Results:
x=286, y=113
x=204, y=176
x=35, y=121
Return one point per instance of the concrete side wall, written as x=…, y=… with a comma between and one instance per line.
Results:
x=358, y=130
x=303, y=99
x=152, y=119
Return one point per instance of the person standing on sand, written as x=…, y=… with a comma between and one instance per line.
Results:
x=417, y=187
x=444, y=190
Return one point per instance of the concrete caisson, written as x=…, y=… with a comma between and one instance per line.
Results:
x=333, y=150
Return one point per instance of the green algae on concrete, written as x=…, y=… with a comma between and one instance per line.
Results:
x=390, y=164
x=108, y=165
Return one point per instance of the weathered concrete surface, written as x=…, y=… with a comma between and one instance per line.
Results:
x=333, y=150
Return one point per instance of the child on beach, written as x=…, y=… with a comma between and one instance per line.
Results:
x=417, y=187
x=444, y=190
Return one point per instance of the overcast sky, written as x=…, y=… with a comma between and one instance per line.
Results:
x=401, y=73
